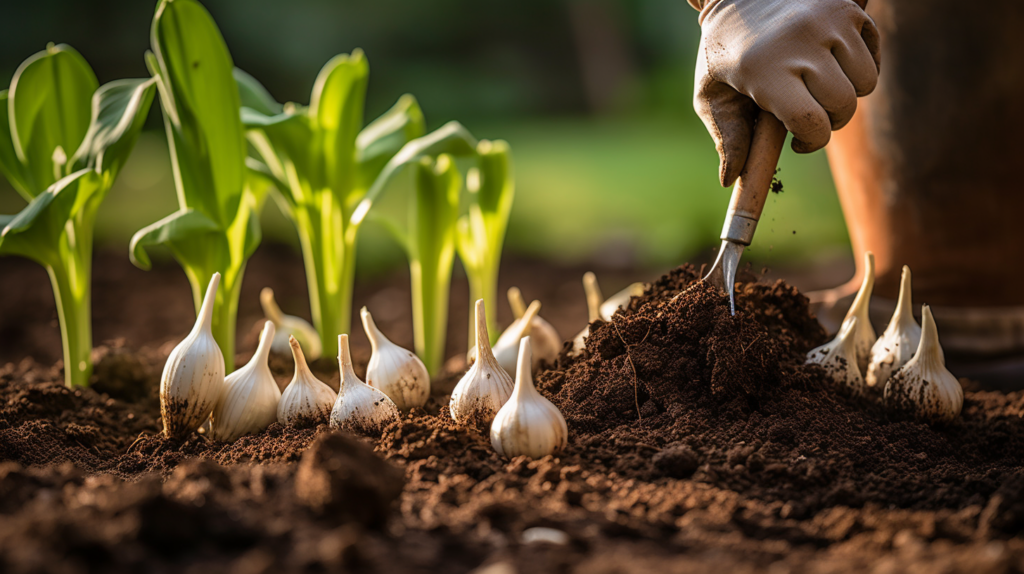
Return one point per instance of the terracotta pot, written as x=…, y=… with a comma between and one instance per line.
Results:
x=930, y=171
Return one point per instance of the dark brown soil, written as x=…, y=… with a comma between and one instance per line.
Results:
x=699, y=442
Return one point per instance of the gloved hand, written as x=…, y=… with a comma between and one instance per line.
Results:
x=805, y=61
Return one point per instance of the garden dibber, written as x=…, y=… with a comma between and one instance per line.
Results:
x=748, y=197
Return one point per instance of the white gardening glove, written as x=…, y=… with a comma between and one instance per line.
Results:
x=805, y=61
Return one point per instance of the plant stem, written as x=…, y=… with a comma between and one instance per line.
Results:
x=72, y=294
x=430, y=287
x=328, y=252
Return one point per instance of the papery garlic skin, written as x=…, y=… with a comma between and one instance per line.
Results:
x=547, y=343
x=898, y=342
x=528, y=424
x=864, y=336
x=839, y=358
x=251, y=395
x=359, y=406
x=193, y=376
x=924, y=388
x=396, y=372
x=485, y=387
x=306, y=401
x=287, y=326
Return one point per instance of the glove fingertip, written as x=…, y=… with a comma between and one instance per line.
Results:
x=800, y=146
x=729, y=170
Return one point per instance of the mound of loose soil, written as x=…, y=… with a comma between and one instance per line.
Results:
x=699, y=442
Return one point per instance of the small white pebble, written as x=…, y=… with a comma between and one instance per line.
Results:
x=542, y=534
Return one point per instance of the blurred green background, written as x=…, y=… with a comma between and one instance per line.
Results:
x=614, y=169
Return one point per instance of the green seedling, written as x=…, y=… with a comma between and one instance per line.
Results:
x=216, y=228
x=328, y=172
x=63, y=142
x=481, y=230
x=429, y=242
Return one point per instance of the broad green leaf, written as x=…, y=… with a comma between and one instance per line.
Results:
x=179, y=231
x=496, y=183
x=253, y=95
x=336, y=110
x=260, y=179
x=201, y=109
x=49, y=109
x=253, y=233
x=434, y=207
x=451, y=138
x=119, y=110
x=382, y=139
x=283, y=142
x=10, y=165
x=35, y=232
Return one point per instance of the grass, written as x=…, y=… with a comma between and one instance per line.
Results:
x=613, y=192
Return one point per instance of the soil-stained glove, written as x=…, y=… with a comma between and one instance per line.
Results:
x=805, y=61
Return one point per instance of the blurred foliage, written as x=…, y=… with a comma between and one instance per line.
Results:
x=593, y=96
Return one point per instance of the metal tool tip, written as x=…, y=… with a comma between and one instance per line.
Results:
x=723, y=272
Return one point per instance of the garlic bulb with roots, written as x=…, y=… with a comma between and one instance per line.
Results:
x=898, y=342
x=506, y=348
x=397, y=372
x=359, y=407
x=839, y=358
x=600, y=308
x=486, y=385
x=924, y=388
x=864, y=337
x=528, y=424
x=193, y=376
x=546, y=341
x=249, y=401
x=306, y=401
x=289, y=326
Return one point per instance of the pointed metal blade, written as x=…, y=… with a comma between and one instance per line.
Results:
x=723, y=272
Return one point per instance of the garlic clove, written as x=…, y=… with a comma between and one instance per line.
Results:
x=864, y=336
x=306, y=401
x=898, y=342
x=288, y=326
x=547, y=343
x=528, y=424
x=839, y=358
x=249, y=401
x=486, y=385
x=359, y=407
x=924, y=388
x=193, y=376
x=397, y=372
x=506, y=348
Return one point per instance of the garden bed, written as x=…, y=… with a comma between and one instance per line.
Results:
x=698, y=442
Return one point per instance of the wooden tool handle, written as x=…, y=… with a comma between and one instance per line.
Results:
x=751, y=189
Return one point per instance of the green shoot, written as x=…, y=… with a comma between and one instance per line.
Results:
x=62, y=144
x=429, y=242
x=429, y=238
x=216, y=228
x=326, y=172
x=481, y=231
